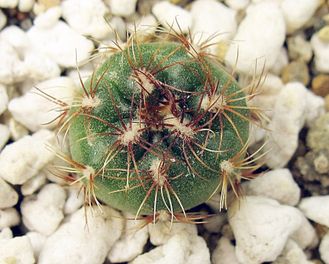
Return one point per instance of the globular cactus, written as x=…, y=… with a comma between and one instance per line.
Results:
x=160, y=125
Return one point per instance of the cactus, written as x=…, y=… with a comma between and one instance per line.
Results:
x=159, y=126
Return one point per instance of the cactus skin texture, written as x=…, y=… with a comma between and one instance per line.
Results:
x=159, y=127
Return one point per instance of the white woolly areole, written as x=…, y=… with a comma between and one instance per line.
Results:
x=132, y=134
x=90, y=102
x=214, y=103
x=143, y=80
x=175, y=124
x=157, y=176
x=87, y=172
x=227, y=166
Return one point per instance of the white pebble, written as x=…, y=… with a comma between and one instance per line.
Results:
x=25, y=5
x=305, y=236
x=259, y=44
x=237, y=4
x=31, y=159
x=9, y=217
x=17, y=38
x=215, y=223
x=172, y=16
x=261, y=227
x=8, y=3
x=123, y=8
x=16, y=250
x=3, y=19
x=324, y=248
x=292, y=254
x=83, y=242
x=132, y=241
x=48, y=19
x=33, y=184
x=8, y=196
x=181, y=248
x=4, y=135
x=34, y=111
x=276, y=184
x=6, y=233
x=224, y=253
x=283, y=129
x=315, y=107
x=211, y=18
x=37, y=241
x=44, y=212
x=61, y=43
x=144, y=27
x=3, y=98
x=281, y=61
x=321, y=52
x=316, y=208
x=297, y=13
x=16, y=129
x=87, y=17
x=12, y=69
x=74, y=201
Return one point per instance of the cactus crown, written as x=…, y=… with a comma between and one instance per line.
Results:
x=158, y=126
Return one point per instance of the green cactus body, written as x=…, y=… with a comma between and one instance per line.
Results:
x=158, y=128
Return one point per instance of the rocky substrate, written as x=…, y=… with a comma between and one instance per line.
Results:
x=283, y=217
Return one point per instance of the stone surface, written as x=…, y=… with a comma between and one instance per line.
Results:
x=81, y=241
x=261, y=228
x=8, y=196
x=33, y=184
x=61, y=43
x=296, y=71
x=16, y=250
x=276, y=184
x=224, y=253
x=122, y=7
x=318, y=135
x=3, y=98
x=172, y=16
x=37, y=241
x=3, y=19
x=320, y=85
x=324, y=249
x=8, y=3
x=316, y=208
x=74, y=201
x=9, y=217
x=321, y=52
x=43, y=213
x=48, y=19
x=299, y=48
x=324, y=34
x=259, y=44
x=31, y=159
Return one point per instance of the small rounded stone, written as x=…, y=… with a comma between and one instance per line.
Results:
x=324, y=34
x=296, y=71
x=320, y=85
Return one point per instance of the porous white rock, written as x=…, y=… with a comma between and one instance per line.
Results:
x=297, y=13
x=87, y=17
x=25, y=5
x=37, y=241
x=181, y=248
x=8, y=196
x=276, y=184
x=292, y=254
x=61, y=43
x=48, y=19
x=224, y=253
x=261, y=227
x=215, y=223
x=8, y=3
x=83, y=242
x=144, y=27
x=259, y=44
x=35, y=111
x=12, y=69
x=305, y=236
x=172, y=16
x=316, y=208
x=283, y=129
x=321, y=52
x=3, y=98
x=315, y=107
x=131, y=242
x=16, y=250
x=6, y=233
x=4, y=135
x=212, y=22
x=40, y=66
x=74, y=200
x=3, y=19
x=33, y=184
x=281, y=61
x=162, y=231
x=17, y=38
x=9, y=217
x=324, y=248
x=23, y=159
x=44, y=212
x=237, y=4
x=123, y=8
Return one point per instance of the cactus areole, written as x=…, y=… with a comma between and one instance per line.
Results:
x=158, y=126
